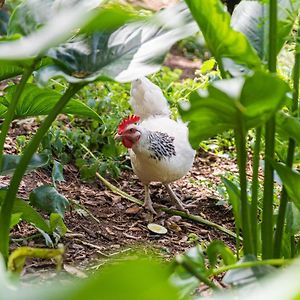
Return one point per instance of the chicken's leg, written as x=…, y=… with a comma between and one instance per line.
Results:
x=148, y=201
x=175, y=200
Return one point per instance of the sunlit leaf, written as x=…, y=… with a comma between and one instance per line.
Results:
x=221, y=39
x=55, y=31
x=250, y=17
x=47, y=198
x=135, y=50
x=10, y=163
x=36, y=101
x=256, y=98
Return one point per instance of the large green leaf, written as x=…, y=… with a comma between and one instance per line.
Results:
x=234, y=196
x=27, y=18
x=289, y=126
x=27, y=213
x=256, y=98
x=135, y=50
x=55, y=31
x=9, y=69
x=47, y=23
x=250, y=17
x=47, y=198
x=10, y=163
x=291, y=182
x=292, y=219
x=222, y=40
x=36, y=101
x=246, y=276
x=4, y=17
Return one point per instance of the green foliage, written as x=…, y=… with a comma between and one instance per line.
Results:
x=112, y=56
x=221, y=39
x=219, y=108
x=10, y=162
x=37, y=102
x=48, y=199
x=250, y=18
x=26, y=213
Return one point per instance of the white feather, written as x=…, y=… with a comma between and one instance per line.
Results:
x=147, y=99
x=149, y=103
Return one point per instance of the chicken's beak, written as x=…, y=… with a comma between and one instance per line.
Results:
x=117, y=137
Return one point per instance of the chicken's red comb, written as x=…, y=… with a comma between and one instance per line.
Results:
x=129, y=120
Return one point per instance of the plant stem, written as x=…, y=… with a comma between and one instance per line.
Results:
x=185, y=263
x=221, y=67
x=254, y=188
x=251, y=264
x=289, y=160
x=240, y=140
x=267, y=218
x=7, y=206
x=12, y=107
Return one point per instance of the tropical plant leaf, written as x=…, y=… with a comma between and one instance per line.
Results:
x=216, y=248
x=10, y=163
x=182, y=278
x=47, y=198
x=45, y=24
x=292, y=219
x=135, y=50
x=36, y=101
x=290, y=180
x=15, y=219
x=9, y=69
x=57, y=224
x=27, y=213
x=256, y=98
x=250, y=17
x=234, y=199
x=27, y=18
x=290, y=126
x=221, y=39
x=4, y=18
x=57, y=172
x=245, y=276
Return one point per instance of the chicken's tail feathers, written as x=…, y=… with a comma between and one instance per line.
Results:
x=147, y=99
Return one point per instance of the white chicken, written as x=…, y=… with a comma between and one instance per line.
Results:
x=158, y=146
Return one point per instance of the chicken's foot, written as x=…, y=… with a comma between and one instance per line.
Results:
x=148, y=202
x=175, y=199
